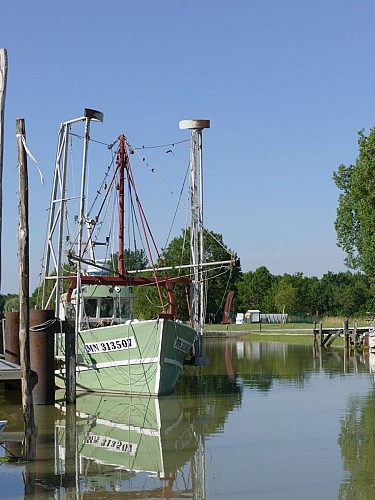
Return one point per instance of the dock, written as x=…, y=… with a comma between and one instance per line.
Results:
x=9, y=371
x=353, y=337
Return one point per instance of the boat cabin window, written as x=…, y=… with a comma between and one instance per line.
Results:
x=125, y=309
x=106, y=308
x=90, y=308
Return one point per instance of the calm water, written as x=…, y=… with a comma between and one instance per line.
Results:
x=263, y=421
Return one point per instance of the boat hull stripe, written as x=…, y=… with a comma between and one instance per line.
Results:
x=110, y=364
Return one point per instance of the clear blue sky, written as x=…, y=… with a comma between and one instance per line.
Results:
x=286, y=85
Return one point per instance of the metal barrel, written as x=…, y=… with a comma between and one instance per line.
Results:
x=12, y=343
x=42, y=355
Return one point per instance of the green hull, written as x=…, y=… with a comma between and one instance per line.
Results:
x=138, y=357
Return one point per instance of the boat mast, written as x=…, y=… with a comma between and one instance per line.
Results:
x=121, y=166
x=198, y=295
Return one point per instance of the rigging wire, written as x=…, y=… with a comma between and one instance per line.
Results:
x=152, y=169
x=172, y=144
x=177, y=207
x=110, y=146
x=134, y=150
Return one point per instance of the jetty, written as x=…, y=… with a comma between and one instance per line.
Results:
x=353, y=336
x=9, y=371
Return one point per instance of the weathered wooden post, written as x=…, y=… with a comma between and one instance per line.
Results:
x=346, y=334
x=70, y=361
x=314, y=333
x=3, y=86
x=355, y=335
x=321, y=334
x=23, y=259
x=345, y=330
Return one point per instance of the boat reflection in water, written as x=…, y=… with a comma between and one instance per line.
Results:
x=119, y=438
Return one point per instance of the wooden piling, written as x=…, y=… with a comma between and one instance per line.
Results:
x=321, y=335
x=70, y=361
x=355, y=335
x=314, y=334
x=3, y=86
x=23, y=259
x=345, y=328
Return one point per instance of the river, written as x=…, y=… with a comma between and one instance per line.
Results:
x=265, y=420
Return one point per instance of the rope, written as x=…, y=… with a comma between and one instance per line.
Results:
x=44, y=326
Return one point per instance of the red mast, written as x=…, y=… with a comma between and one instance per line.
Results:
x=121, y=166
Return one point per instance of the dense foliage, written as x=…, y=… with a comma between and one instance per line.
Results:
x=334, y=294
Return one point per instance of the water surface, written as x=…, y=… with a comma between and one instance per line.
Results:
x=264, y=420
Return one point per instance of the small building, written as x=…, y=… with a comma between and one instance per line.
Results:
x=252, y=316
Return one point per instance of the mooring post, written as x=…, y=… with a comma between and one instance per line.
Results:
x=42, y=355
x=70, y=361
x=321, y=335
x=314, y=333
x=355, y=335
x=12, y=339
x=23, y=260
x=3, y=86
x=346, y=334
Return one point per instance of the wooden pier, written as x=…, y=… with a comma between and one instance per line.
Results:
x=353, y=337
x=9, y=371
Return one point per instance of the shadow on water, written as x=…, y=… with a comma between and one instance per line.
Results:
x=155, y=447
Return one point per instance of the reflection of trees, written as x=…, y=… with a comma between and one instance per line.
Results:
x=276, y=361
x=207, y=400
x=357, y=448
x=257, y=364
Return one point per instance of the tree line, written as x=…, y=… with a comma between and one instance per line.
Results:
x=334, y=294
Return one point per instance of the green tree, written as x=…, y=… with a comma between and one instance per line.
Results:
x=286, y=297
x=133, y=260
x=218, y=281
x=5, y=298
x=355, y=218
x=256, y=290
x=345, y=294
x=12, y=304
x=294, y=293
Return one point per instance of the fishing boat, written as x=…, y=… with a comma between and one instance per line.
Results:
x=115, y=352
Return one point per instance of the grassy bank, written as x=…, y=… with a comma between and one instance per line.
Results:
x=293, y=333
x=328, y=322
